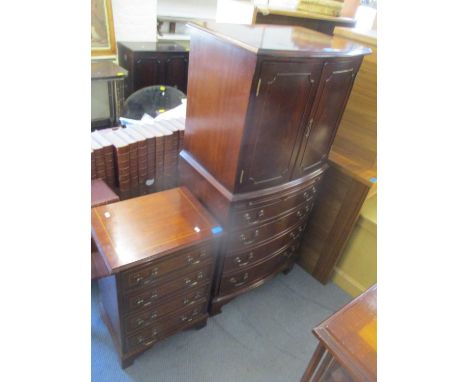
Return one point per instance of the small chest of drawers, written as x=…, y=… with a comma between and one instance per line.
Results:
x=160, y=251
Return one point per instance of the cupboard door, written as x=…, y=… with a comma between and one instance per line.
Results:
x=277, y=114
x=148, y=71
x=176, y=72
x=330, y=102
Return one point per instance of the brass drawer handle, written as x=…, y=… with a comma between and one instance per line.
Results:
x=140, y=322
x=248, y=217
x=154, y=316
x=239, y=262
x=187, y=301
x=310, y=193
x=189, y=283
x=234, y=281
x=185, y=318
x=138, y=279
x=247, y=242
x=294, y=235
x=151, y=341
x=192, y=261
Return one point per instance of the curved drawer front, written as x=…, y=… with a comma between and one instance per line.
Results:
x=300, y=194
x=150, y=274
x=149, y=298
x=182, y=300
x=250, y=237
x=258, y=211
x=237, y=261
x=240, y=280
x=159, y=330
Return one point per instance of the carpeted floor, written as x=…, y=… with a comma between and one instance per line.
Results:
x=262, y=336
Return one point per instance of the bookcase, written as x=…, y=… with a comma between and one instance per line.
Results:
x=257, y=139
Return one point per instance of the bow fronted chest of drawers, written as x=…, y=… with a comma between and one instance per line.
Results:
x=264, y=104
x=160, y=252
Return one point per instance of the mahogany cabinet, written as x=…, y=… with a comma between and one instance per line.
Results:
x=153, y=63
x=159, y=267
x=264, y=104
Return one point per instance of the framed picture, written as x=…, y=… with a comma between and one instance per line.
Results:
x=102, y=28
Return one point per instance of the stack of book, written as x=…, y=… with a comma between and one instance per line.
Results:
x=322, y=7
x=139, y=159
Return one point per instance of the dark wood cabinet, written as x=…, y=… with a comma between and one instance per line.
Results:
x=159, y=270
x=257, y=139
x=151, y=63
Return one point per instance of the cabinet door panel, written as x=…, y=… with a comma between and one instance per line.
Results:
x=148, y=72
x=284, y=91
x=332, y=95
x=176, y=72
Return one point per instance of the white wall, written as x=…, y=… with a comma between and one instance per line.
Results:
x=135, y=20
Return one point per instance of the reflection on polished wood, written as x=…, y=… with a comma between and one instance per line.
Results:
x=284, y=40
x=145, y=228
x=322, y=23
x=347, y=349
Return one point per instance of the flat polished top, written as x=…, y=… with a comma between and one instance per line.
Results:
x=153, y=46
x=351, y=335
x=106, y=70
x=141, y=229
x=282, y=39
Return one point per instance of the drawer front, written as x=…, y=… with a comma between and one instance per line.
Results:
x=272, y=208
x=150, y=274
x=250, y=237
x=299, y=194
x=182, y=300
x=152, y=296
x=240, y=280
x=237, y=261
x=160, y=330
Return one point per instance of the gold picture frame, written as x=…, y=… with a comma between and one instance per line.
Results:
x=102, y=28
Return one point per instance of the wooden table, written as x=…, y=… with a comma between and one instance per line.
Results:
x=347, y=349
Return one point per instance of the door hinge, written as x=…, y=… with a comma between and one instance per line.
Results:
x=241, y=177
x=258, y=87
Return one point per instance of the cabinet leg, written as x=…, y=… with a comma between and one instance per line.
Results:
x=126, y=362
x=215, y=309
x=200, y=325
x=288, y=269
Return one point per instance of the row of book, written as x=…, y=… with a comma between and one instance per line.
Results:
x=139, y=158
